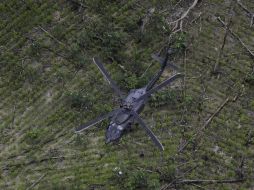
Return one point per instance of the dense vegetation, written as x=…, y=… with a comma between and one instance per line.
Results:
x=49, y=85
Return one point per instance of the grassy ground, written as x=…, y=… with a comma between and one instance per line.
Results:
x=49, y=86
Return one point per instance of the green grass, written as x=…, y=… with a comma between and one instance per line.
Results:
x=49, y=86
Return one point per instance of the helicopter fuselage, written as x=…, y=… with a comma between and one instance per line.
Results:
x=122, y=120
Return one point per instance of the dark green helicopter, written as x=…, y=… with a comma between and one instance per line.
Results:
x=131, y=106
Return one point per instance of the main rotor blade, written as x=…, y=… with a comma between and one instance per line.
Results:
x=107, y=77
x=161, y=60
x=148, y=131
x=95, y=121
x=161, y=85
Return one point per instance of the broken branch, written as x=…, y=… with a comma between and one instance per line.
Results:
x=208, y=121
x=187, y=12
x=36, y=182
x=237, y=37
x=50, y=35
x=216, y=66
x=190, y=181
x=249, y=14
x=202, y=181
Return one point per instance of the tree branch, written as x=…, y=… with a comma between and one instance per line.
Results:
x=186, y=13
x=50, y=35
x=36, y=182
x=216, y=66
x=249, y=14
x=237, y=37
x=202, y=181
x=208, y=121
x=198, y=181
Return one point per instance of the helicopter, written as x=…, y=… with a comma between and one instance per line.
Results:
x=122, y=118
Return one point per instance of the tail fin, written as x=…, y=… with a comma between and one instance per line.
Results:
x=159, y=73
x=162, y=61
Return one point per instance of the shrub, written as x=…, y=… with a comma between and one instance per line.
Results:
x=79, y=101
x=250, y=79
x=164, y=97
x=32, y=137
x=141, y=180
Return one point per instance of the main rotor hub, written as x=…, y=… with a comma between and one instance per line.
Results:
x=127, y=105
